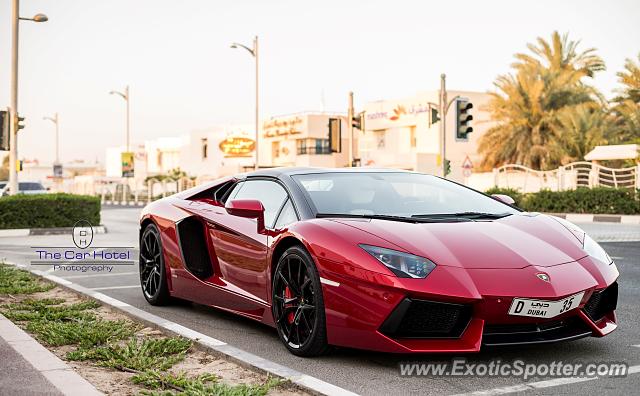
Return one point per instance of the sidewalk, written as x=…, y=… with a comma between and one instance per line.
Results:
x=28, y=368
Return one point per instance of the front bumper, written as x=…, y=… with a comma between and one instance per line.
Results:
x=379, y=315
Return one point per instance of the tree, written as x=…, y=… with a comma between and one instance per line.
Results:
x=626, y=111
x=528, y=102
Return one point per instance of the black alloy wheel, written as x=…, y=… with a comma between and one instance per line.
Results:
x=298, y=306
x=152, y=271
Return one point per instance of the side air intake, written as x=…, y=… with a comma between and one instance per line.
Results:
x=193, y=246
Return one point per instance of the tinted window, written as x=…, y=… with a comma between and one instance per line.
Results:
x=271, y=194
x=287, y=216
x=396, y=194
x=26, y=186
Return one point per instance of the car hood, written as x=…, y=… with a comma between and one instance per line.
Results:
x=515, y=241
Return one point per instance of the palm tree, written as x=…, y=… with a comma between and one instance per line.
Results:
x=627, y=109
x=527, y=103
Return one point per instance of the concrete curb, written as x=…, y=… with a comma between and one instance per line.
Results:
x=18, y=232
x=306, y=382
x=57, y=372
x=598, y=218
x=131, y=204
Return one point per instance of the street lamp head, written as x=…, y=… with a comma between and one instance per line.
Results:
x=234, y=45
x=40, y=18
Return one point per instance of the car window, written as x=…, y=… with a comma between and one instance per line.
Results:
x=234, y=191
x=271, y=194
x=287, y=216
x=30, y=186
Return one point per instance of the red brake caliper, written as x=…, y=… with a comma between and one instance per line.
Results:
x=288, y=294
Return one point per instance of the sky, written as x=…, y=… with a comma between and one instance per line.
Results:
x=175, y=55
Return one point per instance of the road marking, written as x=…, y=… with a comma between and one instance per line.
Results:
x=305, y=381
x=114, y=287
x=637, y=346
x=541, y=384
x=99, y=275
x=617, y=258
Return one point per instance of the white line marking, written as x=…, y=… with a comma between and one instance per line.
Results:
x=99, y=275
x=329, y=282
x=637, y=346
x=114, y=287
x=541, y=384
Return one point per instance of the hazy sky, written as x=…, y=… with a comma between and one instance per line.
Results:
x=183, y=75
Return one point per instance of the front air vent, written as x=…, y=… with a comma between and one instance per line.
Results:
x=427, y=319
x=602, y=302
x=193, y=245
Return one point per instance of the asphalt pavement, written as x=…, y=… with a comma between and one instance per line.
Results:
x=367, y=372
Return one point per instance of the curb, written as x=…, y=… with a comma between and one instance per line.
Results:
x=18, y=232
x=56, y=371
x=598, y=218
x=306, y=382
x=131, y=204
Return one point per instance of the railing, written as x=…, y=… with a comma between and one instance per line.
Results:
x=567, y=177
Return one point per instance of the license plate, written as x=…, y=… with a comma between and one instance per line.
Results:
x=544, y=308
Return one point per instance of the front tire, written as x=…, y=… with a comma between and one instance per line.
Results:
x=153, y=279
x=297, y=304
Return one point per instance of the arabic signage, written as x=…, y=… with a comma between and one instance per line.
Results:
x=237, y=146
x=391, y=114
x=282, y=127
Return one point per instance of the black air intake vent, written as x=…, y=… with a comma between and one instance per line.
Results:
x=193, y=245
x=602, y=302
x=427, y=319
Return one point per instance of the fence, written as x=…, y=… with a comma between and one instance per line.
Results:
x=567, y=177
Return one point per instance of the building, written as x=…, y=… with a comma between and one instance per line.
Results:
x=302, y=139
x=400, y=134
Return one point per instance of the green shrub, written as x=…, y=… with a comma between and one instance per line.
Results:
x=512, y=192
x=48, y=210
x=584, y=200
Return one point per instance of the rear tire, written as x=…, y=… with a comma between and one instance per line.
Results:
x=153, y=278
x=297, y=304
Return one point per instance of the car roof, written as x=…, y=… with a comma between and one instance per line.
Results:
x=291, y=171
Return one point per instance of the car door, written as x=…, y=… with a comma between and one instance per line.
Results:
x=242, y=251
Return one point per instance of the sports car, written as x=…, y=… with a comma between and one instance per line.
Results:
x=383, y=260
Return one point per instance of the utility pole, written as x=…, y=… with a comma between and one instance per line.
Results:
x=13, y=116
x=350, y=128
x=443, y=122
x=56, y=120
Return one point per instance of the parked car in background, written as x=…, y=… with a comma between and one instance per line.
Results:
x=23, y=188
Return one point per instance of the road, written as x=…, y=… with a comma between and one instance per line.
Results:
x=365, y=372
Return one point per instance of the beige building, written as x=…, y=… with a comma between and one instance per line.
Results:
x=301, y=139
x=399, y=134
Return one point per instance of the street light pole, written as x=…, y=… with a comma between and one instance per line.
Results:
x=254, y=52
x=56, y=121
x=126, y=96
x=443, y=122
x=13, y=114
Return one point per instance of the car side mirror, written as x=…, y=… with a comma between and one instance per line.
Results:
x=248, y=208
x=504, y=199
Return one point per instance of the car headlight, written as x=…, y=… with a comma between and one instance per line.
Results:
x=404, y=265
x=594, y=250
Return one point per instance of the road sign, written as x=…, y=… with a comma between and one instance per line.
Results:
x=57, y=170
x=467, y=164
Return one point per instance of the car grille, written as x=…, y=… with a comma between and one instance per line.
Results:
x=427, y=319
x=602, y=302
x=535, y=333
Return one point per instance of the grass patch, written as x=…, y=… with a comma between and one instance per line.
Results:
x=83, y=332
x=49, y=309
x=204, y=384
x=148, y=354
x=17, y=281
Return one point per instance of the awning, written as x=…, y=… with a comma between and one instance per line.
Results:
x=614, y=152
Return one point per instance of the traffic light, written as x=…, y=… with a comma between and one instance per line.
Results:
x=19, y=123
x=358, y=121
x=463, y=118
x=4, y=130
x=335, y=135
x=447, y=167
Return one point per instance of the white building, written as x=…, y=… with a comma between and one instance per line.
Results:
x=399, y=134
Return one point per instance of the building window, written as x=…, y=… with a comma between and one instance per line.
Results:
x=380, y=134
x=412, y=136
x=205, y=148
x=313, y=146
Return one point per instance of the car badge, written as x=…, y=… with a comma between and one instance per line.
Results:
x=543, y=276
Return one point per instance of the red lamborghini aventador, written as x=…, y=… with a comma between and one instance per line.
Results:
x=382, y=260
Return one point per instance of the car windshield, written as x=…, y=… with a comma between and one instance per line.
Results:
x=404, y=195
x=30, y=186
